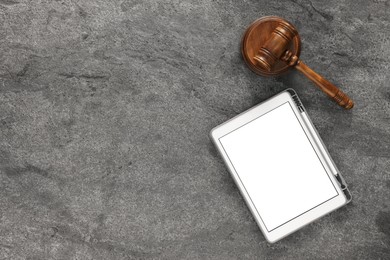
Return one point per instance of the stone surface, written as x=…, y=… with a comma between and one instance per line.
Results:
x=105, y=110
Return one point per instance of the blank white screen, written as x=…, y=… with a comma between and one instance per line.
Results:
x=278, y=166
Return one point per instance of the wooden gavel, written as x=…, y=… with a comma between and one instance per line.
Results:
x=271, y=45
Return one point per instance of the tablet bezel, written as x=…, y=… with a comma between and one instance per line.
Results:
x=305, y=218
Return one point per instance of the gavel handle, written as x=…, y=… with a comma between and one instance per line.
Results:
x=331, y=90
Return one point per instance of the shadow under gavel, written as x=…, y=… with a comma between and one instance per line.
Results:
x=279, y=42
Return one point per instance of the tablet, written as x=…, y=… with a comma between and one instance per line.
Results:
x=280, y=165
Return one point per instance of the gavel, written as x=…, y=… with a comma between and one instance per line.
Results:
x=271, y=45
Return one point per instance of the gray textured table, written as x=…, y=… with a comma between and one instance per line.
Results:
x=105, y=110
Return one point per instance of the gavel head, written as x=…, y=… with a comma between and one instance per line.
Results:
x=277, y=44
x=266, y=41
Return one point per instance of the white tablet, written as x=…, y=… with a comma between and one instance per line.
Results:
x=280, y=165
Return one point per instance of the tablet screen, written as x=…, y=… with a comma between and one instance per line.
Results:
x=278, y=166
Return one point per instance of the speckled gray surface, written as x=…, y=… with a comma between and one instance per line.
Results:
x=105, y=110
